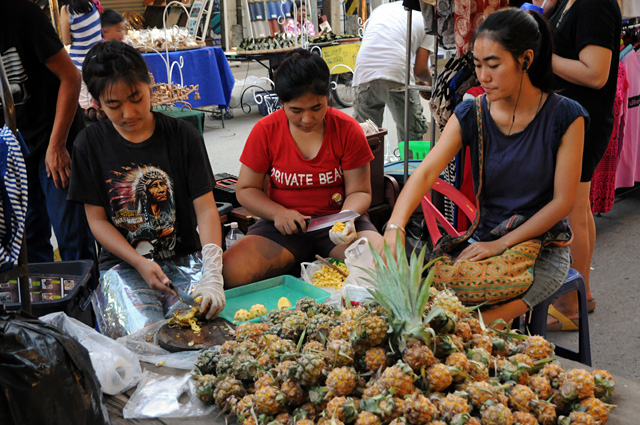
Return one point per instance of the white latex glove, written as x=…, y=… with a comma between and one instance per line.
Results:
x=347, y=236
x=211, y=286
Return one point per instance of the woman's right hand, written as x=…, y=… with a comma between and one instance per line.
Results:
x=154, y=276
x=290, y=221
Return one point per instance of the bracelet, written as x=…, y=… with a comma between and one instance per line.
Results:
x=396, y=227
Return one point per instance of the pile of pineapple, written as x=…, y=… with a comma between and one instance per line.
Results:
x=417, y=356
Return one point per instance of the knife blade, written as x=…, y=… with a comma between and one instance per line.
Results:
x=184, y=297
x=329, y=220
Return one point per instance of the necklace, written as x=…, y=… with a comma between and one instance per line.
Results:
x=564, y=12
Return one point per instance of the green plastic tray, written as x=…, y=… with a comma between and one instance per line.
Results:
x=268, y=292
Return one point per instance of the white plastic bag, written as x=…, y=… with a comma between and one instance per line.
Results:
x=306, y=273
x=117, y=368
x=358, y=259
x=162, y=396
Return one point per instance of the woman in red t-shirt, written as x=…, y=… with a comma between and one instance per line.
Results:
x=316, y=161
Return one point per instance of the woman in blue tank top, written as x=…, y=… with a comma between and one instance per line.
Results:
x=80, y=28
x=532, y=152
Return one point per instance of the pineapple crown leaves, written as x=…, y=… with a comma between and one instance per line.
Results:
x=400, y=288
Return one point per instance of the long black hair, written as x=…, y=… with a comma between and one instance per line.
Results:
x=110, y=62
x=79, y=7
x=299, y=73
x=517, y=31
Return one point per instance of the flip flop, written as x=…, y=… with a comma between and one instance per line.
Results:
x=591, y=305
x=563, y=322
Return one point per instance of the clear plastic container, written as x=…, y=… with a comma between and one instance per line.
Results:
x=233, y=236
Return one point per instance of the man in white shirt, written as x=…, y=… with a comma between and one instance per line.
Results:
x=379, y=76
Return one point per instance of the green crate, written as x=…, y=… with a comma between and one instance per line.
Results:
x=418, y=149
x=268, y=292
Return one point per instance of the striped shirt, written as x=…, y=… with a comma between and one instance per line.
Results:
x=85, y=32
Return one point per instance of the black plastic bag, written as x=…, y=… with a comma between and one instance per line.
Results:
x=46, y=377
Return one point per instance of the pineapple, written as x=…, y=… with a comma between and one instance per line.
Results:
x=305, y=422
x=450, y=304
x=372, y=389
x=352, y=313
x=308, y=369
x=482, y=341
x=206, y=363
x=375, y=359
x=604, y=384
x=553, y=371
x=521, y=398
x=342, y=381
x=372, y=330
x=577, y=418
x=306, y=411
x=447, y=344
x=344, y=331
x=284, y=303
x=463, y=330
x=330, y=420
x=481, y=393
x=398, y=379
x=245, y=366
x=439, y=377
x=313, y=347
x=541, y=386
x=418, y=409
x=596, y=408
x=205, y=386
x=279, y=348
x=480, y=355
x=459, y=361
x=228, y=388
x=256, y=330
x=538, y=348
x=452, y=405
x=418, y=355
x=242, y=331
x=367, y=418
x=383, y=405
x=294, y=324
x=228, y=347
x=312, y=307
x=342, y=408
x=283, y=418
x=577, y=383
x=248, y=347
x=545, y=412
x=293, y=393
x=479, y=371
x=496, y=414
x=224, y=363
x=339, y=352
x=523, y=418
x=244, y=406
x=319, y=327
x=264, y=379
x=269, y=400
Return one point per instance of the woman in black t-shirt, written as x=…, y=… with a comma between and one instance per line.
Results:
x=585, y=62
x=147, y=187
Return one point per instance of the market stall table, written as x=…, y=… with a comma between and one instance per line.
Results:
x=191, y=116
x=207, y=67
x=626, y=397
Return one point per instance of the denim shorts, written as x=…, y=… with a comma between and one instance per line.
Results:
x=304, y=246
x=550, y=272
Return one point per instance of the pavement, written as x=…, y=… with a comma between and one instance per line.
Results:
x=615, y=324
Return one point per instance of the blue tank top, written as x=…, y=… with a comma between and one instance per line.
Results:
x=86, y=31
x=518, y=169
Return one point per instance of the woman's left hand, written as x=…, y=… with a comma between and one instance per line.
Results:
x=480, y=250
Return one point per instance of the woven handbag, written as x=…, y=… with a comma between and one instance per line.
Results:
x=492, y=280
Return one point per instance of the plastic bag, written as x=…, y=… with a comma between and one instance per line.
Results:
x=46, y=377
x=162, y=396
x=306, y=273
x=117, y=368
x=359, y=259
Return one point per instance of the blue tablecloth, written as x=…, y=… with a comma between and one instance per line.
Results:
x=207, y=67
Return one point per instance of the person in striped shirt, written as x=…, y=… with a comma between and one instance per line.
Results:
x=81, y=29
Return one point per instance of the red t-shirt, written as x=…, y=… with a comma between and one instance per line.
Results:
x=310, y=186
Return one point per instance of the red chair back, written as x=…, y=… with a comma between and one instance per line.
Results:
x=433, y=216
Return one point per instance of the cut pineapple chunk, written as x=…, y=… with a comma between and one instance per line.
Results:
x=257, y=310
x=283, y=303
x=242, y=315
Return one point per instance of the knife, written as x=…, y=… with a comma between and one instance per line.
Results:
x=325, y=221
x=184, y=297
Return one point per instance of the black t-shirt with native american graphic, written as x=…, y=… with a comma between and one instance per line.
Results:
x=147, y=189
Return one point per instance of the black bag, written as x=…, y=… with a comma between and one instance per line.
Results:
x=46, y=377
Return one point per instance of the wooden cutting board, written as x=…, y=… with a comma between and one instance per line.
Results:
x=214, y=332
